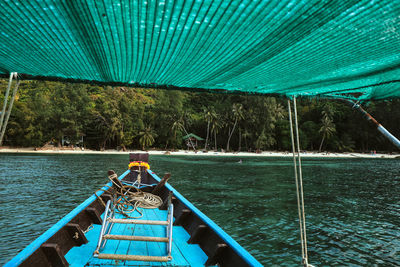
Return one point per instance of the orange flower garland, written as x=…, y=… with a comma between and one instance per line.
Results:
x=139, y=164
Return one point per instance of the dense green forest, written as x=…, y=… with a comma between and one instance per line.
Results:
x=131, y=118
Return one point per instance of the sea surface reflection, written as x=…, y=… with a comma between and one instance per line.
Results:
x=352, y=205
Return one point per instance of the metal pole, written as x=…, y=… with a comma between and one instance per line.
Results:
x=6, y=99
x=3, y=130
x=170, y=228
x=103, y=227
x=380, y=128
x=388, y=135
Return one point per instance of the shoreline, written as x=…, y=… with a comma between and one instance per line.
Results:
x=200, y=153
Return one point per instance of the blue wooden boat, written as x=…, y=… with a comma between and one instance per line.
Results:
x=98, y=233
x=264, y=47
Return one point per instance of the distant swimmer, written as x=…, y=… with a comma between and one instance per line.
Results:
x=240, y=161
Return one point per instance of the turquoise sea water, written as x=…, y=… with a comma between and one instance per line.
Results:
x=352, y=205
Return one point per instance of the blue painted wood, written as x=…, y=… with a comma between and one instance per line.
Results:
x=192, y=252
x=125, y=245
x=156, y=248
x=177, y=258
x=111, y=246
x=228, y=239
x=143, y=247
x=183, y=254
x=79, y=256
x=32, y=247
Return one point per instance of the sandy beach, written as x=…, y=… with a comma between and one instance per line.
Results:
x=200, y=153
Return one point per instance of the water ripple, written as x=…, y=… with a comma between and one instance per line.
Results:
x=352, y=206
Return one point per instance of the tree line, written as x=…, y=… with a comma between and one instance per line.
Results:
x=137, y=118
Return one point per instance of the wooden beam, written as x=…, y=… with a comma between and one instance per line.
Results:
x=198, y=233
x=94, y=215
x=214, y=258
x=139, y=157
x=106, y=197
x=54, y=255
x=161, y=184
x=184, y=215
x=164, y=206
x=76, y=233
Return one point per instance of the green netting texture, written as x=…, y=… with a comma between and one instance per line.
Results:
x=327, y=48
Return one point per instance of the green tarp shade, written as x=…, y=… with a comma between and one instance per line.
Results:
x=191, y=135
x=327, y=48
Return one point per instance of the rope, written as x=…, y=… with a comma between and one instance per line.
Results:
x=297, y=179
x=127, y=202
x=10, y=106
x=90, y=227
x=299, y=183
x=139, y=176
x=6, y=99
x=134, y=257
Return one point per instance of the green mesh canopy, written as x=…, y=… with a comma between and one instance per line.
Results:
x=308, y=48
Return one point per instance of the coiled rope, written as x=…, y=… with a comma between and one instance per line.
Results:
x=126, y=202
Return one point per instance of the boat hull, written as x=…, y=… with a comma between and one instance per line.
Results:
x=71, y=237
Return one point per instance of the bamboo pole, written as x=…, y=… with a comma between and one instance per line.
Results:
x=3, y=130
x=3, y=111
x=380, y=128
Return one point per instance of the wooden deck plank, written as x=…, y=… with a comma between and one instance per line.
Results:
x=192, y=252
x=79, y=256
x=111, y=246
x=155, y=248
x=143, y=247
x=159, y=248
x=183, y=254
x=124, y=245
x=177, y=258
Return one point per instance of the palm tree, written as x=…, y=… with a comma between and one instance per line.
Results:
x=237, y=110
x=261, y=141
x=146, y=137
x=216, y=125
x=109, y=126
x=240, y=140
x=327, y=129
x=328, y=110
x=209, y=115
x=246, y=134
x=179, y=125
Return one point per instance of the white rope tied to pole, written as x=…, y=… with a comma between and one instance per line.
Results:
x=4, y=127
x=299, y=183
x=297, y=179
x=3, y=111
